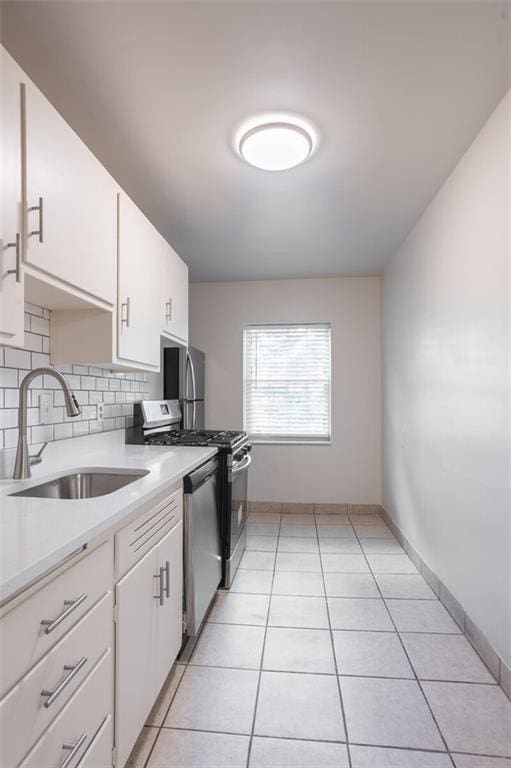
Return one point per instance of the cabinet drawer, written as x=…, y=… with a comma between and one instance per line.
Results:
x=78, y=722
x=25, y=639
x=71, y=659
x=132, y=542
x=99, y=754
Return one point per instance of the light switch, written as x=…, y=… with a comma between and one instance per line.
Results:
x=100, y=409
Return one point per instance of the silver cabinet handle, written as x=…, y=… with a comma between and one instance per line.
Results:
x=72, y=605
x=39, y=208
x=161, y=577
x=189, y=362
x=17, y=270
x=125, y=320
x=168, y=310
x=73, y=670
x=73, y=750
x=167, y=578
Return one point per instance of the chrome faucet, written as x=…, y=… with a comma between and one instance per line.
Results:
x=23, y=460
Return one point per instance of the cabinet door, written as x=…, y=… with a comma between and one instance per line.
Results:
x=138, y=609
x=175, y=299
x=71, y=203
x=11, y=272
x=140, y=269
x=170, y=618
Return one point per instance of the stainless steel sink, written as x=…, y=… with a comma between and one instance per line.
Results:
x=83, y=485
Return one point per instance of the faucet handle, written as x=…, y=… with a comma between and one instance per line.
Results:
x=37, y=457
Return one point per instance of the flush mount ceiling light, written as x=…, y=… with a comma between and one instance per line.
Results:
x=276, y=145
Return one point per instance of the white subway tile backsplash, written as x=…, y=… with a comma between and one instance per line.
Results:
x=40, y=325
x=42, y=434
x=80, y=428
x=31, y=309
x=40, y=360
x=88, y=412
x=33, y=342
x=10, y=398
x=8, y=418
x=62, y=431
x=8, y=377
x=16, y=358
x=91, y=385
x=11, y=438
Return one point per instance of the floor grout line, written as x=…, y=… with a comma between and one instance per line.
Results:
x=332, y=644
x=411, y=665
x=256, y=701
x=344, y=743
x=325, y=598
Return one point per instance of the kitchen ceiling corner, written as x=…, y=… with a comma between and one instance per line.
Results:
x=397, y=91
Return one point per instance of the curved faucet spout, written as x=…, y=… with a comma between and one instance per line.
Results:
x=22, y=463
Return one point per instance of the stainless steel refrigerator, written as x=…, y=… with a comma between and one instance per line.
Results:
x=183, y=380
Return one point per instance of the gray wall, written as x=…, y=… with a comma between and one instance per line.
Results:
x=446, y=385
x=347, y=470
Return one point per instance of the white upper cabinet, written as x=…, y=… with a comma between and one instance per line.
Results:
x=140, y=270
x=11, y=268
x=175, y=295
x=71, y=222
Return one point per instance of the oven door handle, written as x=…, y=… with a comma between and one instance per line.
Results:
x=247, y=461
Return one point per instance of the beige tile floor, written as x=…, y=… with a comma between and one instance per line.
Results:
x=329, y=650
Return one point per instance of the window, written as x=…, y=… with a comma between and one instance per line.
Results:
x=286, y=382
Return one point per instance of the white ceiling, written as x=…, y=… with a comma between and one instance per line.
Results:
x=397, y=90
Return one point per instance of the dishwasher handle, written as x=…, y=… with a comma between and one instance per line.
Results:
x=201, y=475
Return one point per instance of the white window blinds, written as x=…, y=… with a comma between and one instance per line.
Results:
x=286, y=381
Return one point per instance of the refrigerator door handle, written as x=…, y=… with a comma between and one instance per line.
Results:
x=189, y=365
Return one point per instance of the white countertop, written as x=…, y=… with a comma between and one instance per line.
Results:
x=37, y=534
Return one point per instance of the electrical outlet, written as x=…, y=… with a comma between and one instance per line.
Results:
x=100, y=408
x=45, y=408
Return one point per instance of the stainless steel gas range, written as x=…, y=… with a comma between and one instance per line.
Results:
x=157, y=422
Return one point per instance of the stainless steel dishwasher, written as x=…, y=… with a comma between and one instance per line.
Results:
x=202, y=549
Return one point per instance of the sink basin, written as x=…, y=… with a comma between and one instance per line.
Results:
x=83, y=485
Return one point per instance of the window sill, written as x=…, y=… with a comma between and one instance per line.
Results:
x=256, y=441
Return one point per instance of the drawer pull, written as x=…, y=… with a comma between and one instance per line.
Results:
x=38, y=232
x=73, y=670
x=52, y=624
x=73, y=750
x=167, y=578
x=160, y=576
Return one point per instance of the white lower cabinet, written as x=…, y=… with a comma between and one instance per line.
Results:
x=99, y=753
x=148, y=635
x=45, y=690
x=65, y=649
x=68, y=737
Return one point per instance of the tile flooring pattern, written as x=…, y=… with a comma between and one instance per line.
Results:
x=329, y=650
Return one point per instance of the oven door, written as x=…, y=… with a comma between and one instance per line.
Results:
x=238, y=513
